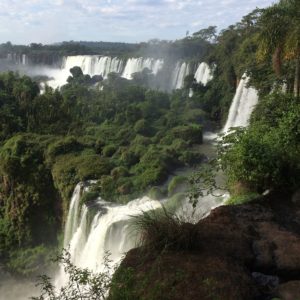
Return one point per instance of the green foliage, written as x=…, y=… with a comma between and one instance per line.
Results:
x=177, y=184
x=89, y=196
x=109, y=150
x=157, y=193
x=63, y=146
x=125, y=277
x=29, y=211
x=242, y=199
x=132, y=138
x=265, y=156
x=119, y=172
x=160, y=230
x=69, y=169
x=30, y=261
x=190, y=133
x=82, y=283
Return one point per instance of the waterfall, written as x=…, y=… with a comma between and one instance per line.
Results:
x=24, y=59
x=93, y=229
x=94, y=64
x=242, y=105
x=100, y=226
x=203, y=73
x=134, y=65
x=89, y=64
x=72, y=219
x=103, y=65
x=182, y=69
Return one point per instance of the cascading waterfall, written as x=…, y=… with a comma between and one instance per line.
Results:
x=94, y=64
x=99, y=227
x=24, y=59
x=102, y=226
x=18, y=59
x=89, y=64
x=243, y=103
x=103, y=65
x=182, y=69
x=134, y=65
x=203, y=73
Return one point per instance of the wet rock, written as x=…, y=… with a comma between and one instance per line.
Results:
x=266, y=280
x=244, y=252
x=289, y=290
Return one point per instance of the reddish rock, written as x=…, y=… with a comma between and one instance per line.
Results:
x=289, y=290
x=241, y=252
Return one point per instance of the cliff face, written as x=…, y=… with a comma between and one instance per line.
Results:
x=250, y=251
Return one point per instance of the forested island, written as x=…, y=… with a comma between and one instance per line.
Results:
x=122, y=139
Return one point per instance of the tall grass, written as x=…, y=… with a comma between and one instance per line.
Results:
x=162, y=230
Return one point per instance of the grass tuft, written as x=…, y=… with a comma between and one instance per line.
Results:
x=161, y=230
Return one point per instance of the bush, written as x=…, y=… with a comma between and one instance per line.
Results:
x=177, y=184
x=242, y=199
x=159, y=230
x=190, y=133
x=89, y=196
x=109, y=150
x=265, y=155
x=119, y=172
x=157, y=193
x=152, y=176
x=63, y=146
x=30, y=261
x=142, y=127
x=81, y=284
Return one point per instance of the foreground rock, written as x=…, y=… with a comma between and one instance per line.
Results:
x=250, y=251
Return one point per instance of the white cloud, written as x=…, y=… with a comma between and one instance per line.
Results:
x=24, y=21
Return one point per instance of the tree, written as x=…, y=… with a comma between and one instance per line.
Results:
x=280, y=35
x=207, y=34
x=82, y=283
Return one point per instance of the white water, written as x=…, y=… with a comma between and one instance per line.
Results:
x=89, y=64
x=110, y=230
x=103, y=65
x=134, y=65
x=243, y=103
x=182, y=69
x=203, y=73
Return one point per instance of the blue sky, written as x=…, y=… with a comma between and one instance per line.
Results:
x=48, y=21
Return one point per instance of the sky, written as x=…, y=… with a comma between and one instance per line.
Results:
x=50, y=21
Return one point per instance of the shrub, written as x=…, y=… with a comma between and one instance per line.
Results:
x=89, y=196
x=157, y=193
x=152, y=176
x=190, y=158
x=30, y=261
x=177, y=184
x=129, y=158
x=191, y=133
x=63, y=146
x=124, y=188
x=242, y=199
x=160, y=230
x=142, y=127
x=119, y=172
x=265, y=155
x=109, y=150
x=81, y=284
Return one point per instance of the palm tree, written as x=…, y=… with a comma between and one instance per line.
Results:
x=280, y=35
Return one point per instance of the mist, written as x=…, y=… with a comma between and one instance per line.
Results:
x=15, y=289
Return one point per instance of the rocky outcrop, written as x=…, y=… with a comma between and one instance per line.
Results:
x=249, y=251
